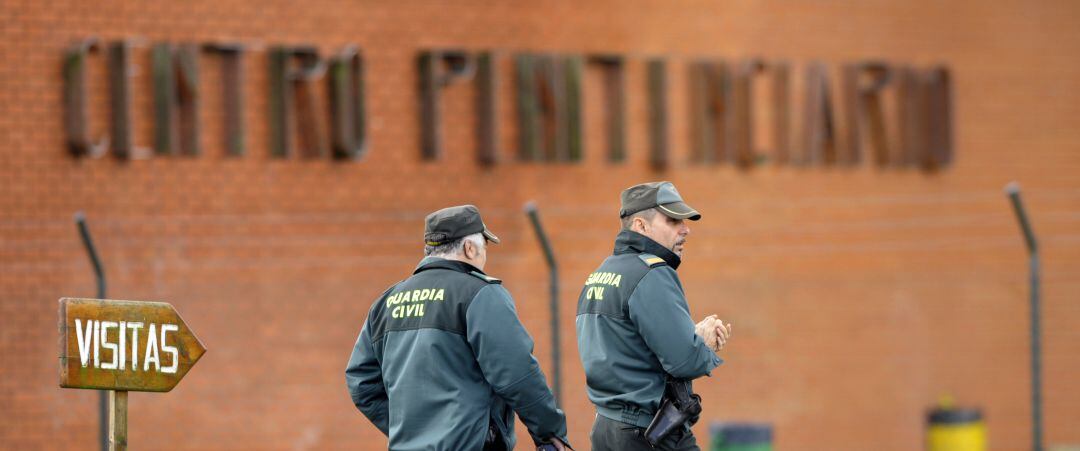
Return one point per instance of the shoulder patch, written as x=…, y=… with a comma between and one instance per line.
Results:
x=485, y=277
x=651, y=260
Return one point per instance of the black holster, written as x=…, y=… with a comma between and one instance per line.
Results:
x=679, y=407
x=494, y=440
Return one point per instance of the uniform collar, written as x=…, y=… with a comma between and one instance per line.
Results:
x=629, y=241
x=445, y=263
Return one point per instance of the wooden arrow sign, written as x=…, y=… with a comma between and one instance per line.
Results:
x=124, y=345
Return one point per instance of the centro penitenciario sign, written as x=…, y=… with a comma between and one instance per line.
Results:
x=744, y=112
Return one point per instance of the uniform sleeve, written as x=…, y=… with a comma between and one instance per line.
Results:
x=503, y=350
x=363, y=377
x=658, y=308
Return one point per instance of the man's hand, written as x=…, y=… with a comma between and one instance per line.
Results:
x=707, y=330
x=723, y=334
x=714, y=332
x=555, y=444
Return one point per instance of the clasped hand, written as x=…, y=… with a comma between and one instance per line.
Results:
x=714, y=332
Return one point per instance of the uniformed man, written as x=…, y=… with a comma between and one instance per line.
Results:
x=635, y=335
x=442, y=361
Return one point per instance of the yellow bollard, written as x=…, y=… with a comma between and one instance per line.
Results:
x=955, y=429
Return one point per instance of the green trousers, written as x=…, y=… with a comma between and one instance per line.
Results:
x=611, y=435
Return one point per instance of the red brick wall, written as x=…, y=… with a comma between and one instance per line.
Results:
x=858, y=295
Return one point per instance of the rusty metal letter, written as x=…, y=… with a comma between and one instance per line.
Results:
x=348, y=116
x=742, y=139
x=744, y=150
x=818, y=136
x=305, y=78
x=120, y=99
x=188, y=96
x=293, y=98
x=528, y=109
x=658, y=113
x=552, y=99
x=487, y=120
x=166, y=140
x=76, y=115
x=925, y=117
x=281, y=127
x=781, y=101
x=176, y=99
x=573, y=71
x=549, y=107
x=711, y=112
x=437, y=69
x=869, y=81
x=938, y=88
x=614, y=103
x=911, y=115
x=232, y=73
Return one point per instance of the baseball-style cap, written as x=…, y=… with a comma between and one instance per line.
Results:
x=451, y=223
x=659, y=195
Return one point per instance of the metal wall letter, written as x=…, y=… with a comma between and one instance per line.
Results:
x=188, y=71
x=292, y=98
x=348, y=117
x=742, y=107
x=232, y=73
x=552, y=107
x=745, y=151
x=176, y=99
x=938, y=116
x=868, y=80
x=614, y=104
x=76, y=115
x=911, y=114
x=781, y=111
x=528, y=109
x=437, y=70
x=549, y=107
x=487, y=130
x=312, y=132
x=925, y=117
x=658, y=113
x=573, y=71
x=166, y=140
x=120, y=91
x=818, y=140
x=711, y=112
x=281, y=104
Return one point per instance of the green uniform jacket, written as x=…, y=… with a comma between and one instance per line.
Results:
x=634, y=327
x=442, y=356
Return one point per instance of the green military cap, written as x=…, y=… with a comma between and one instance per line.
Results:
x=451, y=223
x=659, y=195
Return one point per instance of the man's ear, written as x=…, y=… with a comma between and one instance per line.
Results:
x=638, y=225
x=471, y=250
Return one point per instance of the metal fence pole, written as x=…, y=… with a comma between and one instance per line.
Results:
x=1013, y=191
x=99, y=274
x=549, y=256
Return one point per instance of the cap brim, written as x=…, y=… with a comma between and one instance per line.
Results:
x=679, y=210
x=490, y=236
